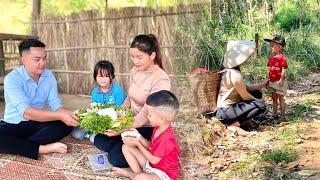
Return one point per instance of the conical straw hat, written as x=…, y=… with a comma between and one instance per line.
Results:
x=238, y=52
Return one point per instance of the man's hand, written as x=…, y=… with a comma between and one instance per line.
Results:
x=69, y=118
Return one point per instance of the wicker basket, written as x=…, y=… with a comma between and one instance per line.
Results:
x=205, y=88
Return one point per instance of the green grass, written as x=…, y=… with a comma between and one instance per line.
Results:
x=289, y=137
x=285, y=155
x=305, y=107
x=274, y=173
x=245, y=167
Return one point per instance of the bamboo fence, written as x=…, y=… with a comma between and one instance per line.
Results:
x=76, y=42
x=11, y=54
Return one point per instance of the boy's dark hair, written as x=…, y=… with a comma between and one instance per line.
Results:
x=25, y=45
x=163, y=98
x=103, y=66
x=148, y=44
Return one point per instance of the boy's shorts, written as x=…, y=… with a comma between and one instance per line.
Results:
x=280, y=90
x=148, y=169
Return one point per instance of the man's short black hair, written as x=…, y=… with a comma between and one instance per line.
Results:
x=27, y=44
x=163, y=98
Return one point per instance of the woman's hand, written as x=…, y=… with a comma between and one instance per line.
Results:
x=111, y=133
x=265, y=84
x=260, y=86
x=126, y=103
x=76, y=111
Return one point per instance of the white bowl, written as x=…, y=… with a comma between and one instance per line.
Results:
x=131, y=134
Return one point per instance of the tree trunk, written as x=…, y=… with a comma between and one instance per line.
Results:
x=36, y=6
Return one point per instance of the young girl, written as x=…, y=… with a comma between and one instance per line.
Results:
x=105, y=92
x=277, y=64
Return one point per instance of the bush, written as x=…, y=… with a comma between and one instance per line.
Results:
x=209, y=55
x=303, y=46
x=255, y=70
x=294, y=14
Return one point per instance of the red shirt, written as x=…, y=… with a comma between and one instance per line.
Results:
x=165, y=146
x=276, y=64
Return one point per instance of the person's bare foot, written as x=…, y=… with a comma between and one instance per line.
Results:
x=120, y=172
x=239, y=131
x=242, y=132
x=236, y=124
x=56, y=147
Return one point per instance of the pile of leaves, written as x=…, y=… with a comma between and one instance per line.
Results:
x=101, y=117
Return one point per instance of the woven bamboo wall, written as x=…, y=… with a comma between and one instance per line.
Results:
x=75, y=43
x=11, y=53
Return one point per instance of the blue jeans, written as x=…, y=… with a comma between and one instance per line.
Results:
x=80, y=134
x=113, y=146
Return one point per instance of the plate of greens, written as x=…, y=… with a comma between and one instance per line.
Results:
x=100, y=117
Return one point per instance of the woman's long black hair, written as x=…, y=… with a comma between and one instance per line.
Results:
x=148, y=44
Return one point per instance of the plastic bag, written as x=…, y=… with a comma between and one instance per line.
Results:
x=99, y=162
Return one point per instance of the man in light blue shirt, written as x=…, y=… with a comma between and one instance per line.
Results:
x=28, y=127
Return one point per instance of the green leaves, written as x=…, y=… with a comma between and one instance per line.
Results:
x=292, y=14
x=95, y=123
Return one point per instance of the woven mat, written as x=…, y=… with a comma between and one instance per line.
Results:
x=73, y=165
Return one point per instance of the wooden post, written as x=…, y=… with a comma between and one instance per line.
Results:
x=2, y=71
x=106, y=9
x=256, y=39
x=36, y=6
x=210, y=9
x=2, y=60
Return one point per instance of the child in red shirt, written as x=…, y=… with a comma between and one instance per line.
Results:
x=277, y=81
x=159, y=158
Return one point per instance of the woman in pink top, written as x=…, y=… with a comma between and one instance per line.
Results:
x=146, y=77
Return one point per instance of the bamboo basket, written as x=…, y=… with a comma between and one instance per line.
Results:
x=205, y=88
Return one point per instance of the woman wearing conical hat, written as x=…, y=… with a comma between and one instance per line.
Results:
x=238, y=102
